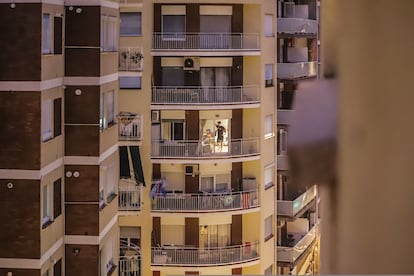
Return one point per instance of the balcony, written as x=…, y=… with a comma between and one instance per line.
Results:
x=206, y=41
x=282, y=162
x=130, y=59
x=197, y=95
x=292, y=208
x=197, y=149
x=130, y=126
x=296, y=70
x=190, y=256
x=297, y=26
x=205, y=202
x=130, y=196
x=299, y=243
x=129, y=260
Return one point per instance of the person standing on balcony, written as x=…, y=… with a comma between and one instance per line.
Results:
x=220, y=130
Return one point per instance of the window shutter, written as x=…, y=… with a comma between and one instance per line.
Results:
x=57, y=117
x=57, y=198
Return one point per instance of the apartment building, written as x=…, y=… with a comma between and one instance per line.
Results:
x=297, y=208
x=59, y=156
x=195, y=100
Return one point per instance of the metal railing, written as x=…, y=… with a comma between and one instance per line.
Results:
x=290, y=254
x=205, y=202
x=205, y=95
x=206, y=41
x=297, y=25
x=129, y=198
x=185, y=255
x=130, y=59
x=296, y=70
x=189, y=149
x=129, y=265
x=291, y=208
x=130, y=127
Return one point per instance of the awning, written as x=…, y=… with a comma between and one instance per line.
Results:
x=130, y=157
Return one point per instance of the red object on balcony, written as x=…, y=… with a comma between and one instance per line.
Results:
x=246, y=200
x=247, y=248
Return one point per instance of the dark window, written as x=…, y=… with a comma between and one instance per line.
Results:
x=57, y=268
x=57, y=37
x=57, y=198
x=57, y=117
x=130, y=82
x=130, y=24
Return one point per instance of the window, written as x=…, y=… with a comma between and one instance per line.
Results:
x=47, y=197
x=215, y=235
x=57, y=35
x=107, y=109
x=268, y=75
x=219, y=183
x=110, y=182
x=51, y=122
x=173, y=130
x=173, y=76
x=269, y=25
x=268, y=177
x=281, y=141
x=173, y=27
x=57, y=198
x=108, y=34
x=47, y=132
x=46, y=34
x=46, y=273
x=130, y=24
x=268, y=126
x=268, y=228
x=107, y=185
x=106, y=258
x=130, y=82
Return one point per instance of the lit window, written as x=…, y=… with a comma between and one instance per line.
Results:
x=47, y=34
x=109, y=35
x=268, y=227
x=268, y=126
x=268, y=75
x=130, y=82
x=268, y=25
x=130, y=24
x=107, y=109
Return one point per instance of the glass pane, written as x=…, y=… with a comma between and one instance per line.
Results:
x=130, y=82
x=173, y=24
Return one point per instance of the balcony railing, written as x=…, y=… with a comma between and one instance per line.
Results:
x=185, y=255
x=205, y=202
x=284, y=116
x=130, y=59
x=291, y=253
x=206, y=41
x=197, y=149
x=129, y=198
x=130, y=127
x=296, y=70
x=291, y=208
x=205, y=95
x=129, y=266
x=297, y=26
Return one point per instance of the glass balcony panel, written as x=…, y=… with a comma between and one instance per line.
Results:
x=296, y=70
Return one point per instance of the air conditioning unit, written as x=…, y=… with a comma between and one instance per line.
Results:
x=191, y=169
x=192, y=63
x=155, y=116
